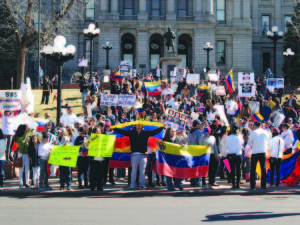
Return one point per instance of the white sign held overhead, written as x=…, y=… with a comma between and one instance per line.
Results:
x=10, y=100
x=83, y=63
x=109, y=99
x=246, y=78
x=220, y=90
x=126, y=100
x=246, y=90
x=179, y=72
x=192, y=78
x=276, y=82
x=213, y=77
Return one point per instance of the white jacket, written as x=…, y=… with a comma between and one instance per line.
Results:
x=44, y=150
x=288, y=138
x=276, y=147
x=235, y=144
x=223, y=145
x=2, y=149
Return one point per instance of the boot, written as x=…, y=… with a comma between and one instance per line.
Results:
x=86, y=184
x=80, y=184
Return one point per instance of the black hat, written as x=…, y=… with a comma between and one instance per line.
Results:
x=195, y=123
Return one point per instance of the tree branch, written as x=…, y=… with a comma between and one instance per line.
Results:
x=28, y=18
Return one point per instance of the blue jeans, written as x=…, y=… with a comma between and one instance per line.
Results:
x=65, y=176
x=43, y=173
x=229, y=117
x=1, y=172
x=177, y=183
x=138, y=162
x=195, y=181
x=83, y=95
x=8, y=146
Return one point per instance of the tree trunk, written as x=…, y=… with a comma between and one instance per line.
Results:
x=21, y=56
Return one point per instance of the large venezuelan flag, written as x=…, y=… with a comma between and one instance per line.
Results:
x=153, y=88
x=202, y=90
x=229, y=82
x=257, y=117
x=121, y=157
x=118, y=77
x=176, y=161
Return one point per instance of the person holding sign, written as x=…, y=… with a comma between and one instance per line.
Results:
x=138, y=145
x=44, y=152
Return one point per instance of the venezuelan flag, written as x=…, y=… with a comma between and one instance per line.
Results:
x=153, y=88
x=139, y=108
x=229, y=82
x=118, y=77
x=200, y=109
x=121, y=157
x=176, y=161
x=202, y=90
x=289, y=170
x=257, y=117
x=238, y=111
x=41, y=124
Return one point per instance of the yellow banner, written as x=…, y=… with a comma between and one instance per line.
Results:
x=64, y=155
x=187, y=150
x=101, y=145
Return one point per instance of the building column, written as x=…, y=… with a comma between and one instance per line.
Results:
x=104, y=6
x=237, y=9
x=142, y=49
x=142, y=15
x=171, y=10
x=246, y=9
x=198, y=7
x=209, y=7
x=114, y=6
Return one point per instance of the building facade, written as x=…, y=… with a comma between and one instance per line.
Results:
x=236, y=28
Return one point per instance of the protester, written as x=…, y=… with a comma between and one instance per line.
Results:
x=2, y=158
x=34, y=159
x=288, y=139
x=47, y=87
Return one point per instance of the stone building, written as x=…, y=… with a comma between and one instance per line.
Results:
x=135, y=28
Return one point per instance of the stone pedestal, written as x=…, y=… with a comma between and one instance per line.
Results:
x=168, y=63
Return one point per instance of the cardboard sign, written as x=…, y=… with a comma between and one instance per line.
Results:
x=10, y=100
x=275, y=82
x=126, y=100
x=220, y=90
x=64, y=155
x=254, y=105
x=109, y=99
x=173, y=125
x=192, y=78
x=246, y=78
x=101, y=145
x=213, y=77
x=179, y=72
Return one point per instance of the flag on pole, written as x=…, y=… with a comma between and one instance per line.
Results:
x=229, y=82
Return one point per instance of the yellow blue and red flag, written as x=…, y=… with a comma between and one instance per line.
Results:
x=257, y=117
x=229, y=82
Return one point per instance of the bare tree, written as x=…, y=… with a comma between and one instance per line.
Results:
x=59, y=18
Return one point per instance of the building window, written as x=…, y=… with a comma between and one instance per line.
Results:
x=128, y=7
x=221, y=12
x=266, y=61
x=87, y=50
x=90, y=10
x=287, y=19
x=265, y=24
x=182, y=8
x=221, y=52
x=155, y=7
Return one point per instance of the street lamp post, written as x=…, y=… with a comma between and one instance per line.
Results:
x=207, y=48
x=288, y=53
x=274, y=35
x=59, y=54
x=107, y=47
x=91, y=33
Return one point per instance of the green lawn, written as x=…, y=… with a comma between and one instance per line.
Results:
x=73, y=96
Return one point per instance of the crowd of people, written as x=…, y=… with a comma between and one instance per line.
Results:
x=243, y=140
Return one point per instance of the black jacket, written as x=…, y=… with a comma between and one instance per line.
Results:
x=138, y=141
x=83, y=84
x=161, y=74
x=176, y=141
x=47, y=85
x=33, y=154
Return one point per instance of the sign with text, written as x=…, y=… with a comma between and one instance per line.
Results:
x=133, y=72
x=109, y=99
x=213, y=77
x=126, y=100
x=278, y=117
x=101, y=145
x=10, y=100
x=246, y=90
x=64, y=155
x=220, y=90
x=192, y=78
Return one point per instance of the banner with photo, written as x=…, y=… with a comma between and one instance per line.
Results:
x=246, y=90
x=179, y=72
x=176, y=117
x=276, y=82
x=192, y=78
x=133, y=73
x=246, y=78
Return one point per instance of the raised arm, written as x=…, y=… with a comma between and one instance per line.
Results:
x=123, y=132
x=154, y=132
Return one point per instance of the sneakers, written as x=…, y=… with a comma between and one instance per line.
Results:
x=61, y=188
x=132, y=188
x=80, y=187
x=143, y=188
x=41, y=188
x=181, y=188
x=47, y=187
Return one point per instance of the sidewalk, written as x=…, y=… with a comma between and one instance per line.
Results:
x=121, y=189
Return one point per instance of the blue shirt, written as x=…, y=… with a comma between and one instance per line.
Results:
x=266, y=111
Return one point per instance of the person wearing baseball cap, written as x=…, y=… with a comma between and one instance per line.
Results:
x=194, y=137
x=276, y=153
x=258, y=140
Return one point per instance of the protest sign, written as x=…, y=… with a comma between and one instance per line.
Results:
x=221, y=112
x=126, y=100
x=179, y=72
x=220, y=90
x=213, y=77
x=10, y=100
x=174, y=87
x=64, y=155
x=246, y=90
x=133, y=72
x=254, y=105
x=173, y=125
x=124, y=68
x=25, y=119
x=275, y=82
x=278, y=117
x=101, y=145
x=192, y=78
x=171, y=73
x=246, y=78
x=109, y=99
x=89, y=110
x=83, y=63
x=124, y=74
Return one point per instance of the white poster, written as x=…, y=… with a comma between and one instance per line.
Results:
x=124, y=74
x=179, y=72
x=171, y=73
x=246, y=90
x=133, y=72
x=221, y=113
x=254, y=105
x=220, y=90
x=246, y=78
x=83, y=63
x=109, y=99
x=276, y=82
x=213, y=77
x=126, y=100
x=192, y=78
x=174, y=87
x=278, y=118
x=10, y=100
x=124, y=68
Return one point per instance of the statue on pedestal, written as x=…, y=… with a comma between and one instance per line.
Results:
x=168, y=38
